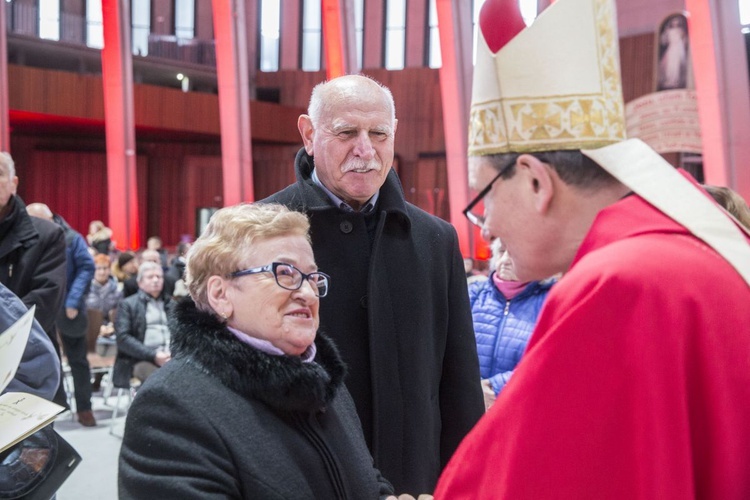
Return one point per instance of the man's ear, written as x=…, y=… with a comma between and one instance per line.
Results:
x=540, y=181
x=216, y=289
x=305, y=126
x=15, y=184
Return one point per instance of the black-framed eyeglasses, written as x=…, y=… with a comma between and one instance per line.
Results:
x=289, y=277
x=477, y=219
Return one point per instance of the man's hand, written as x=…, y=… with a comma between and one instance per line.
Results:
x=71, y=312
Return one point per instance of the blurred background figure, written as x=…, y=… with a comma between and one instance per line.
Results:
x=104, y=296
x=504, y=311
x=143, y=336
x=99, y=237
x=731, y=201
x=72, y=320
x=125, y=267
x=154, y=243
x=176, y=271
x=151, y=255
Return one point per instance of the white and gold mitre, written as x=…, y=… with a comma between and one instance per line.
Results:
x=554, y=86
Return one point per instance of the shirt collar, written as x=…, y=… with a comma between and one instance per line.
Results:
x=366, y=209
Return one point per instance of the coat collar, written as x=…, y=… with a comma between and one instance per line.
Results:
x=284, y=383
x=313, y=198
x=17, y=228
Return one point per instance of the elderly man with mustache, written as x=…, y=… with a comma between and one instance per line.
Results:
x=399, y=312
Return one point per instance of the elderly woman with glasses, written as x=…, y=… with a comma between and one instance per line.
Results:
x=252, y=404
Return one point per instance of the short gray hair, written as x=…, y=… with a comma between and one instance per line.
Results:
x=146, y=267
x=7, y=161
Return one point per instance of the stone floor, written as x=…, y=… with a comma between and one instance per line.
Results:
x=95, y=478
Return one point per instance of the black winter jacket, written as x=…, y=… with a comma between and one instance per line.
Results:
x=130, y=328
x=224, y=420
x=32, y=263
x=398, y=310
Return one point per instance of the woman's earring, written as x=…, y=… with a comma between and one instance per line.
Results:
x=224, y=314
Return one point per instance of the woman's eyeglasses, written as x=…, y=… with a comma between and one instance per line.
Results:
x=290, y=278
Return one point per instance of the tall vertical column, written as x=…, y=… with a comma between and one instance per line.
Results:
x=4, y=106
x=338, y=37
x=455, y=23
x=721, y=81
x=234, y=100
x=119, y=124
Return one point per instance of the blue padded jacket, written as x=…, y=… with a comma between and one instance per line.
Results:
x=503, y=327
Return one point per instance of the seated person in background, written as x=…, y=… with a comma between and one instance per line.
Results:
x=125, y=267
x=154, y=243
x=253, y=404
x=504, y=312
x=39, y=370
x=141, y=327
x=731, y=201
x=104, y=296
x=130, y=287
x=99, y=237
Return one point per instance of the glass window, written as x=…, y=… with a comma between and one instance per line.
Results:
x=141, y=22
x=395, y=34
x=435, y=56
x=359, y=29
x=94, y=24
x=269, y=35
x=312, y=34
x=744, y=12
x=49, y=19
x=184, y=18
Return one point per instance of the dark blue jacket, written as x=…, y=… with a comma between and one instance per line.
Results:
x=503, y=327
x=79, y=267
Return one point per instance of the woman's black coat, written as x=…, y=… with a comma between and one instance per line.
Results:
x=224, y=420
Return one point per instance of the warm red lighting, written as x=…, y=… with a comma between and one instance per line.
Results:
x=333, y=39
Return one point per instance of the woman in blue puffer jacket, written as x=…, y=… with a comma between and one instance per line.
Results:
x=505, y=311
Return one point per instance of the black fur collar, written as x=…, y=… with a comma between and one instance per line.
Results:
x=282, y=382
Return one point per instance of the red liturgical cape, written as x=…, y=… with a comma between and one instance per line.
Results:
x=636, y=381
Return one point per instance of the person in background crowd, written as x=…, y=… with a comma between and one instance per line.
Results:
x=105, y=297
x=99, y=237
x=125, y=267
x=402, y=321
x=39, y=370
x=253, y=404
x=731, y=201
x=154, y=243
x=505, y=311
x=177, y=271
x=143, y=336
x=130, y=286
x=32, y=257
x=72, y=319
x=636, y=380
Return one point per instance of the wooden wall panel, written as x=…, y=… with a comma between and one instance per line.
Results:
x=637, y=62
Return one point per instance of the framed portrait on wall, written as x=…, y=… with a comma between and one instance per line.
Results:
x=673, y=61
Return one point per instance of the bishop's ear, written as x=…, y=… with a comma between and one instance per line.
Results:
x=539, y=181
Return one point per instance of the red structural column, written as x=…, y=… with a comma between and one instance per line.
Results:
x=338, y=37
x=234, y=100
x=721, y=82
x=119, y=124
x=454, y=21
x=4, y=106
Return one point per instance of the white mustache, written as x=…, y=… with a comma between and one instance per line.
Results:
x=360, y=164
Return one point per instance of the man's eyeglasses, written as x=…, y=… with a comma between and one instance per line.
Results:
x=477, y=219
x=289, y=277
